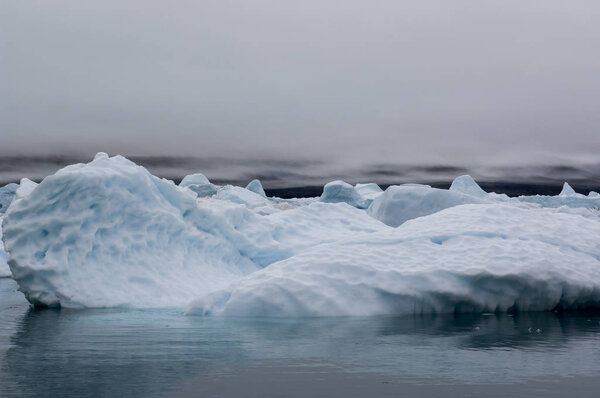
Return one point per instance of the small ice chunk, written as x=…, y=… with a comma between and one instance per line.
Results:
x=256, y=187
x=4, y=269
x=467, y=185
x=7, y=193
x=242, y=196
x=101, y=155
x=26, y=186
x=567, y=190
x=199, y=184
x=339, y=191
x=400, y=203
x=194, y=179
x=369, y=191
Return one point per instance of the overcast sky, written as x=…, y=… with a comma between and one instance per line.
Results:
x=463, y=82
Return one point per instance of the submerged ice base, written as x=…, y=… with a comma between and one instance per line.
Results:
x=110, y=234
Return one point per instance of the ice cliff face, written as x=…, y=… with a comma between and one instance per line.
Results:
x=108, y=233
x=4, y=269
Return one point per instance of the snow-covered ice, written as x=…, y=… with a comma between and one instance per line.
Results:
x=359, y=196
x=7, y=194
x=4, y=269
x=108, y=233
x=567, y=197
x=466, y=258
x=242, y=196
x=400, y=203
x=199, y=184
x=256, y=187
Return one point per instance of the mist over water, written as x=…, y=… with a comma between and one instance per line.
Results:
x=284, y=176
x=375, y=84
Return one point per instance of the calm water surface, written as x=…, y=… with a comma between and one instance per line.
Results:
x=155, y=353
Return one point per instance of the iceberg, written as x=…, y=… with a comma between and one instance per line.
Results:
x=110, y=234
x=199, y=184
x=4, y=269
x=359, y=196
x=567, y=190
x=7, y=193
x=26, y=186
x=466, y=184
x=256, y=187
x=468, y=258
x=400, y=203
x=567, y=197
x=242, y=196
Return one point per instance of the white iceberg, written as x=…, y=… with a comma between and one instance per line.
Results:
x=400, y=203
x=199, y=184
x=256, y=187
x=4, y=269
x=242, y=196
x=468, y=258
x=567, y=197
x=359, y=196
x=7, y=193
x=110, y=234
x=467, y=185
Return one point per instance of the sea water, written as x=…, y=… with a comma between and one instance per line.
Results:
x=153, y=353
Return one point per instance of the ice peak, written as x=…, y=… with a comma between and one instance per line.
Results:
x=101, y=155
x=194, y=179
x=567, y=190
x=256, y=187
x=467, y=185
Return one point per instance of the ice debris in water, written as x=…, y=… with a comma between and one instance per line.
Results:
x=108, y=233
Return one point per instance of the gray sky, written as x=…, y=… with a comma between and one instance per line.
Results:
x=464, y=82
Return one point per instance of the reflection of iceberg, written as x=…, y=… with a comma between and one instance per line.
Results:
x=108, y=233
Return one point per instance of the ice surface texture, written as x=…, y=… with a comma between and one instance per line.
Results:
x=108, y=233
x=359, y=196
x=7, y=194
x=462, y=259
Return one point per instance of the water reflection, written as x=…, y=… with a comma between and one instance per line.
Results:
x=150, y=353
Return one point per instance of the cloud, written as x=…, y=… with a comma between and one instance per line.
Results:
x=437, y=81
